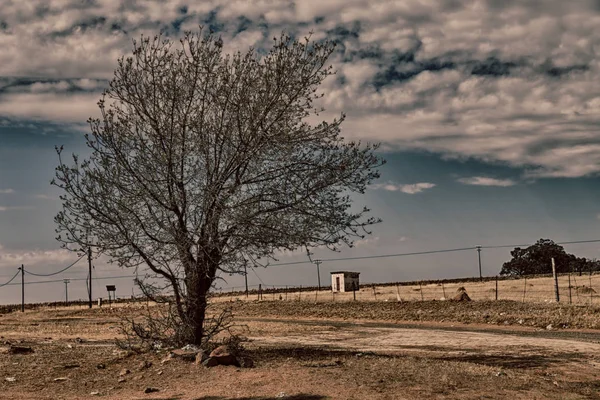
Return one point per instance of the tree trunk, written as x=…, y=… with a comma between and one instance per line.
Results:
x=196, y=309
x=199, y=279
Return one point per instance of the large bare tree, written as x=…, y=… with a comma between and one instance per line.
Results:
x=203, y=162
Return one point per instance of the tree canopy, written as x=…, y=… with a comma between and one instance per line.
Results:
x=205, y=162
x=536, y=259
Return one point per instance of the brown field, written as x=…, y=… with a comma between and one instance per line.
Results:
x=307, y=350
x=583, y=290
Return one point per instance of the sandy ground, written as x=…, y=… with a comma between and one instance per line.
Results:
x=426, y=338
x=303, y=358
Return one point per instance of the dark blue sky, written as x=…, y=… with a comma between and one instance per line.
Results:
x=487, y=113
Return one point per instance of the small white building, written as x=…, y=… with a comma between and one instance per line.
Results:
x=344, y=281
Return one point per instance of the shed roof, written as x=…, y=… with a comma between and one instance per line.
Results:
x=345, y=272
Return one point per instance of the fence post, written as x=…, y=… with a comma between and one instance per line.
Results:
x=300, y=293
x=524, y=288
x=591, y=290
x=555, y=280
x=421, y=290
x=286, y=292
x=354, y=290
x=443, y=290
x=398, y=293
x=496, y=287
x=259, y=291
x=374, y=292
x=22, y=288
x=569, y=288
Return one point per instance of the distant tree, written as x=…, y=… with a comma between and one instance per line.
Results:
x=203, y=163
x=536, y=259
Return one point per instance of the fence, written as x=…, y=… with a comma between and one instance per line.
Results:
x=572, y=289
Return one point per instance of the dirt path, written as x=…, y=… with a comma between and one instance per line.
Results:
x=500, y=347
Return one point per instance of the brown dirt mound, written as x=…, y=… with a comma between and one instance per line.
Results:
x=462, y=296
x=585, y=289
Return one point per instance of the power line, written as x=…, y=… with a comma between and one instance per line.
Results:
x=258, y=276
x=11, y=279
x=61, y=280
x=379, y=256
x=427, y=252
x=57, y=272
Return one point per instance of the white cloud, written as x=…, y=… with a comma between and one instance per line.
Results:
x=530, y=113
x=486, y=181
x=413, y=188
x=46, y=197
x=11, y=208
x=368, y=241
x=35, y=257
x=7, y=191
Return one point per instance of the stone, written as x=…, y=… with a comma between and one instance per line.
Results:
x=151, y=390
x=201, y=357
x=224, y=357
x=95, y=393
x=549, y=327
x=20, y=350
x=121, y=380
x=101, y=366
x=185, y=355
x=10, y=379
x=144, y=365
x=210, y=362
x=124, y=372
x=60, y=379
x=191, y=347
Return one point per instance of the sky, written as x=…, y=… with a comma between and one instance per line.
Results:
x=487, y=111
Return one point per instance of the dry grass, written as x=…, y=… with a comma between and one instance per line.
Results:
x=299, y=371
x=536, y=290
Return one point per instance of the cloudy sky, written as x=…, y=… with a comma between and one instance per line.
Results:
x=488, y=112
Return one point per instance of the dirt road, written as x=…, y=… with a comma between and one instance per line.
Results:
x=386, y=338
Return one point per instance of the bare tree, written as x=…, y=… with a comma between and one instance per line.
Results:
x=204, y=162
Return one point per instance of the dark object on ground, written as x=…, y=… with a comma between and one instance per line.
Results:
x=20, y=350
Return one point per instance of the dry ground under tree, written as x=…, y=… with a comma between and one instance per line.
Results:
x=303, y=350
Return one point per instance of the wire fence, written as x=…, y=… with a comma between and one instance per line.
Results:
x=572, y=289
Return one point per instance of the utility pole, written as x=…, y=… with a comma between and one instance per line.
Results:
x=479, y=256
x=90, y=273
x=318, y=262
x=246, y=279
x=555, y=276
x=22, y=288
x=66, y=281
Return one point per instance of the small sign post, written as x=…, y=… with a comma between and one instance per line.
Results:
x=113, y=289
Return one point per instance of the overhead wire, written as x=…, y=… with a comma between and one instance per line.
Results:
x=57, y=272
x=11, y=279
